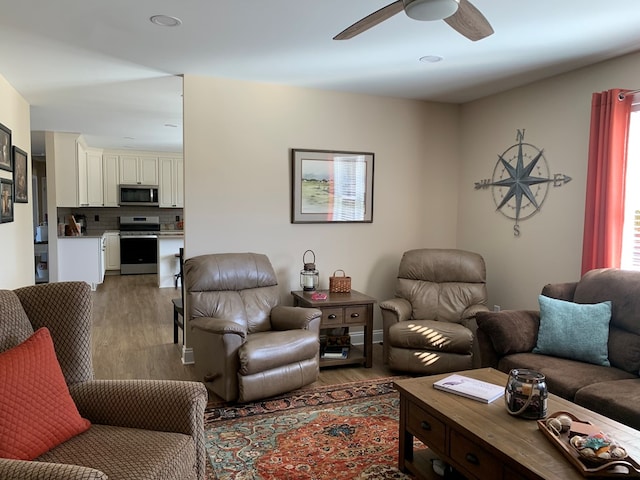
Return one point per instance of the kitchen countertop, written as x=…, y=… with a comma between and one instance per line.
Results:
x=100, y=233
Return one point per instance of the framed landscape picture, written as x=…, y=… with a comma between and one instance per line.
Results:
x=6, y=200
x=5, y=149
x=331, y=186
x=20, y=178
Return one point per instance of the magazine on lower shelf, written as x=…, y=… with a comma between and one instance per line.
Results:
x=470, y=387
x=335, y=352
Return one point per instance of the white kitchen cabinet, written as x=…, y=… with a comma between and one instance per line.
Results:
x=81, y=259
x=64, y=147
x=171, y=187
x=90, y=188
x=110, y=180
x=138, y=170
x=112, y=250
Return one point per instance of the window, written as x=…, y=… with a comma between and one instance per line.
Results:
x=631, y=231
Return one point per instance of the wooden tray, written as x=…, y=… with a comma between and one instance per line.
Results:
x=616, y=468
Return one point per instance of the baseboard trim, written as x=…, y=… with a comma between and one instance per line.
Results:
x=187, y=356
x=357, y=338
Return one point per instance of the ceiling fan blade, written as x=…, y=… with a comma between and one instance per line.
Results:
x=370, y=21
x=468, y=21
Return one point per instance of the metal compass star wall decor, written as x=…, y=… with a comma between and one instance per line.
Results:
x=520, y=181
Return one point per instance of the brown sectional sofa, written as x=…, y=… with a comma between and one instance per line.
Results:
x=506, y=340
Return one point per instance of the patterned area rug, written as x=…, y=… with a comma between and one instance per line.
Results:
x=347, y=431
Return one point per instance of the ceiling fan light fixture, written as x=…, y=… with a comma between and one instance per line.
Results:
x=430, y=9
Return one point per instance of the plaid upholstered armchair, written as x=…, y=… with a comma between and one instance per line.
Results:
x=75, y=427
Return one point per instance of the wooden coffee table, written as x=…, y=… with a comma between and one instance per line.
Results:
x=482, y=441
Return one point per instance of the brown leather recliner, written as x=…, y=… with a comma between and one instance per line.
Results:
x=430, y=326
x=246, y=346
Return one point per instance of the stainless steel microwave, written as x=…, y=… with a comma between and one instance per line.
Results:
x=139, y=195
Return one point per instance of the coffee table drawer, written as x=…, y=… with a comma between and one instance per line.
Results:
x=475, y=459
x=426, y=428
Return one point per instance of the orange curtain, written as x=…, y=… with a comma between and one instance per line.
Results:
x=604, y=209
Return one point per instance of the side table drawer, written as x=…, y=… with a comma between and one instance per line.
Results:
x=355, y=315
x=425, y=427
x=473, y=458
x=332, y=316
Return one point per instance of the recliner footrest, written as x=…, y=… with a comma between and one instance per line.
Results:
x=267, y=350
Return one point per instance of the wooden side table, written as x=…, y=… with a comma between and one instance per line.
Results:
x=351, y=309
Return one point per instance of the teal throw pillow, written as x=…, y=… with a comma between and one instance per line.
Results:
x=574, y=330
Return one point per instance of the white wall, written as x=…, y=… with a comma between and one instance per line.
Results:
x=17, y=263
x=556, y=116
x=237, y=141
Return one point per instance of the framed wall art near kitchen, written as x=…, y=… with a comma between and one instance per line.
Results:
x=6, y=200
x=20, y=183
x=5, y=149
x=331, y=186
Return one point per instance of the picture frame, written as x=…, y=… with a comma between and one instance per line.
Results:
x=6, y=158
x=20, y=176
x=6, y=200
x=329, y=186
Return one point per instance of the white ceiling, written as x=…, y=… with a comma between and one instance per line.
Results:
x=101, y=68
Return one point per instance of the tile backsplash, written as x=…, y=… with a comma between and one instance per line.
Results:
x=106, y=218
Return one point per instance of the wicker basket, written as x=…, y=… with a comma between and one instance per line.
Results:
x=339, y=284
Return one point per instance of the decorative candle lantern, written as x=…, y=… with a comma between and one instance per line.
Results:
x=526, y=394
x=309, y=276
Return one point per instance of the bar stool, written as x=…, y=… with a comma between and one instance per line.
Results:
x=177, y=278
x=178, y=303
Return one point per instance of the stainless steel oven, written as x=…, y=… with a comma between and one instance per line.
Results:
x=139, y=245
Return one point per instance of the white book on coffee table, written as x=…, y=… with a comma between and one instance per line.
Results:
x=470, y=387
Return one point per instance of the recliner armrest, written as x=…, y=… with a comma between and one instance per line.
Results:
x=291, y=318
x=218, y=326
x=160, y=405
x=164, y=405
x=472, y=310
x=398, y=307
x=21, y=469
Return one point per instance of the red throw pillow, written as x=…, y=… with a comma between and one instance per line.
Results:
x=36, y=410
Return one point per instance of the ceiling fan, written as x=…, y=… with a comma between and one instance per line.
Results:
x=461, y=15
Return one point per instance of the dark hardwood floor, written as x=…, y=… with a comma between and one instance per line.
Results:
x=133, y=336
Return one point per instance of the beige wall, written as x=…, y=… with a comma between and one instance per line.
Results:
x=556, y=115
x=17, y=265
x=237, y=141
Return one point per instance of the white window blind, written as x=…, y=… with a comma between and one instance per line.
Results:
x=631, y=231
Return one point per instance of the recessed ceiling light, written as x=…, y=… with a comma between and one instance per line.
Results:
x=431, y=59
x=165, y=21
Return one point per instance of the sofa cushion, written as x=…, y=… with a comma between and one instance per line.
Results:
x=576, y=331
x=127, y=453
x=624, y=350
x=614, y=399
x=15, y=327
x=37, y=412
x=564, y=376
